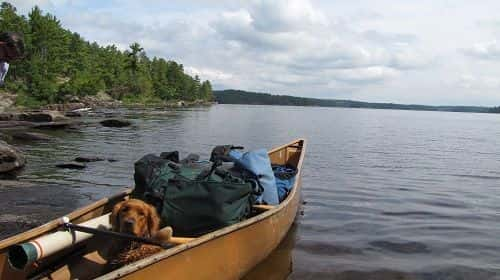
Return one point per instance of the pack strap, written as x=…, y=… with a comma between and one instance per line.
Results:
x=204, y=174
x=222, y=153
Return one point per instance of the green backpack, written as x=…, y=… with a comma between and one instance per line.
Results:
x=194, y=198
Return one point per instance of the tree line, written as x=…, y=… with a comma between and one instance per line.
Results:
x=254, y=98
x=60, y=64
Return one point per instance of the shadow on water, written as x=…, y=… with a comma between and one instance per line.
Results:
x=278, y=265
x=391, y=194
x=451, y=273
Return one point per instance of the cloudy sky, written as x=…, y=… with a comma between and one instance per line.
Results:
x=425, y=52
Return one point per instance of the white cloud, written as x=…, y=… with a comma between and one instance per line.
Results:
x=391, y=51
x=285, y=15
x=365, y=75
x=468, y=81
x=485, y=50
x=210, y=74
x=24, y=6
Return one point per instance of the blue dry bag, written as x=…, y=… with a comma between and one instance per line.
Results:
x=259, y=164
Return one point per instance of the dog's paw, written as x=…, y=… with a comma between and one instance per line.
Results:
x=164, y=234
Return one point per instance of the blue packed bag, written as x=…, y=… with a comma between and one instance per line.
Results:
x=259, y=164
x=284, y=187
x=285, y=179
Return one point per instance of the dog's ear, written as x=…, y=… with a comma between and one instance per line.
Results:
x=153, y=221
x=114, y=218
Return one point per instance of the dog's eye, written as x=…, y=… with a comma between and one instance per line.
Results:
x=125, y=209
x=141, y=214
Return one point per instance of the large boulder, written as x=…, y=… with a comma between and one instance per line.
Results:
x=11, y=158
x=115, y=123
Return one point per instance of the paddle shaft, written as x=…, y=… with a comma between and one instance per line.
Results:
x=114, y=234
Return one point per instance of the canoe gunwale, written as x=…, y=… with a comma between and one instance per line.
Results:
x=221, y=232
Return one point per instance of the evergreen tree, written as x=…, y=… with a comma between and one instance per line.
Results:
x=59, y=64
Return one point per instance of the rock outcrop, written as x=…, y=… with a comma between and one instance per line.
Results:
x=44, y=116
x=36, y=117
x=11, y=159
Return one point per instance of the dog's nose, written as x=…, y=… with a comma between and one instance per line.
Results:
x=128, y=222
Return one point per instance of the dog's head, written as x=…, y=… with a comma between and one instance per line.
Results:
x=135, y=217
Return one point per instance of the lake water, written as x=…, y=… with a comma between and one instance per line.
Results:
x=388, y=194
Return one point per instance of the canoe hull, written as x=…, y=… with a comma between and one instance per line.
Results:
x=230, y=256
x=228, y=253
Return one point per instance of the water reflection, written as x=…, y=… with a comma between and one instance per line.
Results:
x=391, y=194
x=278, y=265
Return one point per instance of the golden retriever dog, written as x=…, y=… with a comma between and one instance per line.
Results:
x=138, y=218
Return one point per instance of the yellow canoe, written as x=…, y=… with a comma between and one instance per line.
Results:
x=228, y=253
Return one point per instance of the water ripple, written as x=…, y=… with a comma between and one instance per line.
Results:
x=390, y=194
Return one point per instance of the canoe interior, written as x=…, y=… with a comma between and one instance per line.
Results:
x=88, y=255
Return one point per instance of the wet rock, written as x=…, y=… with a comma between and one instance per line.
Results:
x=73, y=114
x=7, y=117
x=53, y=125
x=15, y=124
x=88, y=159
x=46, y=116
x=11, y=159
x=71, y=165
x=115, y=123
x=30, y=136
x=21, y=212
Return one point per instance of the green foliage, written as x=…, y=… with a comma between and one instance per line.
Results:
x=494, y=110
x=244, y=97
x=59, y=64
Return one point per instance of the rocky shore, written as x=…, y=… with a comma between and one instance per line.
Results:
x=20, y=127
x=100, y=100
x=21, y=212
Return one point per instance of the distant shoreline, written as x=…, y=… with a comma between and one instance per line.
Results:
x=254, y=98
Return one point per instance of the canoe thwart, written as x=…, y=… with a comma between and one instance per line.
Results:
x=263, y=207
x=180, y=240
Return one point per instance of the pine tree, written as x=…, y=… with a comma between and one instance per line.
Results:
x=59, y=64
